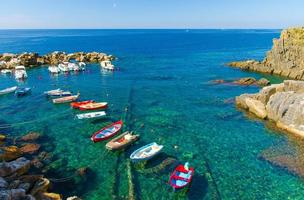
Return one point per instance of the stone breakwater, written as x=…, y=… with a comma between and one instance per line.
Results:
x=20, y=169
x=281, y=103
x=286, y=58
x=9, y=60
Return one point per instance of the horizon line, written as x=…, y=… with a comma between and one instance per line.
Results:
x=143, y=28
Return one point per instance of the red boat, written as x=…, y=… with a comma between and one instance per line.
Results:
x=181, y=177
x=77, y=104
x=107, y=132
x=94, y=106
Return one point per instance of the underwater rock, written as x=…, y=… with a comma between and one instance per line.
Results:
x=3, y=183
x=45, y=157
x=14, y=184
x=285, y=58
x=9, y=153
x=30, y=136
x=36, y=163
x=48, y=196
x=25, y=186
x=19, y=167
x=218, y=81
x=42, y=185
x=245, y=81
x=28, y=181
x=30, y=148
x=82, y=171
x=14, y=194
x=2, y=137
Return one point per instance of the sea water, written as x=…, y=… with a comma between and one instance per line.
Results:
x=163, y=91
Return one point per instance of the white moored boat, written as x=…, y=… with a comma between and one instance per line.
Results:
x=20, y=72
x=63, y=67
x=146, y=152
x=6, y=71
x=91, y=115
x=72, y=67
x=81, y=66
x=8, y=90
x=107, y=65
x=54, y=69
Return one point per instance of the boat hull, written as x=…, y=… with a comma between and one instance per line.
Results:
x=115, y=145
x=77, y=104
x=104, y=134
x=8, y=90
x=135, y=158
x=65, y=99
x=97, y=107
x=92, y=115
x=185, y=180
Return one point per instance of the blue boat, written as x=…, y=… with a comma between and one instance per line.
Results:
x=22, y=91
x=146, y=152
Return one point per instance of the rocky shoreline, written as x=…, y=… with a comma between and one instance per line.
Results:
x=286, y=58
x=281, y=103
x=23, y=162
x=9, y=60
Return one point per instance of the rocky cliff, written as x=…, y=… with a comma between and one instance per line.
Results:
x=8, y=60
x=286, y=58
x=281, y=103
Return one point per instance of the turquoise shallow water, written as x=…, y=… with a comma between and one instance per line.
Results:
x=163, y=92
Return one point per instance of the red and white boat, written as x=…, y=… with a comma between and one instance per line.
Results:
x=93, y=106
x=66, y=99
x=181, y=177
x=79, y=103
x=107, y=132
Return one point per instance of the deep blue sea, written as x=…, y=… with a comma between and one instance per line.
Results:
x=163, y=91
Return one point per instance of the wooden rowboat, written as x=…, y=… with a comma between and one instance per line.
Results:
x=107, y=132
x=66, y=99
x=79, y=103
x=146, y=152
x=91, y=115
x=181, y=177
x=122, y=141
x=8, y=90
x=94, y=106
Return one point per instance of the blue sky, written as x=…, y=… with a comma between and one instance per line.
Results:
x=151, y=13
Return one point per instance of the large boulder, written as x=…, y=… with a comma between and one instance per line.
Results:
x=30, y=148
x=9, y=153
x=18, y=167
x=48, y=196
x=15, y=194
x=282, y=103
x=41, y=186
x=30, y=136
x=256, y=107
